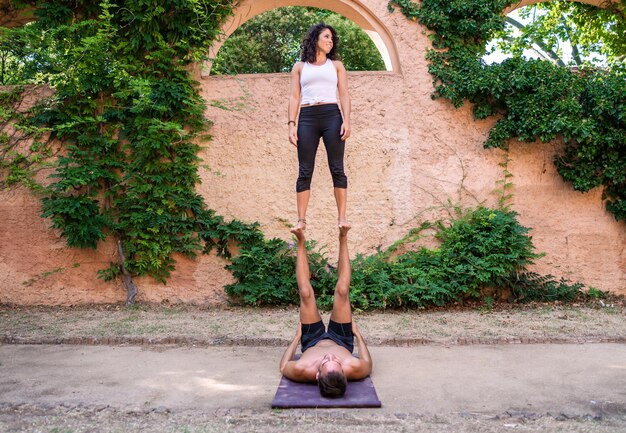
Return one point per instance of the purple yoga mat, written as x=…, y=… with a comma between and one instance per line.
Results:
x=290, y=394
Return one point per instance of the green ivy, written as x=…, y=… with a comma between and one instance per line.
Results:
x=20, y=162
x=535, y=100
x=129, y=119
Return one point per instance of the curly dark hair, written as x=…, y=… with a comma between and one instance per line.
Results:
x=332, y=385
x=308, y=47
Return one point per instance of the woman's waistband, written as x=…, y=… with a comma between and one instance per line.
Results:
x=319, y=108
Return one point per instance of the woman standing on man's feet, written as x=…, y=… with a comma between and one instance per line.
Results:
x=313, y=113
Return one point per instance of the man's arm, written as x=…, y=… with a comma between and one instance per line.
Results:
x=295, y=370
x=364, y=367
x=286, y=360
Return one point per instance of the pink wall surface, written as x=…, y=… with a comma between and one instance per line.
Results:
x=408, y=159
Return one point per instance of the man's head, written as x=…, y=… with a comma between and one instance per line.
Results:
x=331, y=378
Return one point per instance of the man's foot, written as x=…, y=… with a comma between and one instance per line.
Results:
x=343, y=230
x=299, y=228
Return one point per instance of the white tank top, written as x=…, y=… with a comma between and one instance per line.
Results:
x=318, y=84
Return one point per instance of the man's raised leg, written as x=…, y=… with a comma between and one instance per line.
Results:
x=308, y=308
x=342, y=311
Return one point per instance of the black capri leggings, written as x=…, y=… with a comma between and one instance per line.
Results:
x=317, y=121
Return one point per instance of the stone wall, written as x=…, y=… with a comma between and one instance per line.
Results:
x=408, y=157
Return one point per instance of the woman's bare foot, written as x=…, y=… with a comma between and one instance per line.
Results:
x=298, y=233
x=299, y=228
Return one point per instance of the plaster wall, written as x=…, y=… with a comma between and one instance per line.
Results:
x=408, y=158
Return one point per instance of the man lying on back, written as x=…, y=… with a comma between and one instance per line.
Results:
x=326, y=354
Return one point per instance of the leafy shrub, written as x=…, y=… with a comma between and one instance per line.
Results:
x=530, y=286
x=484, y=247
x=265, y=274
x=265, y=271
x=481, y=248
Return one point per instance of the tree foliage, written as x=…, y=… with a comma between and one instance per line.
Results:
x=10, y=64
x=271, y=41
x=595, y=35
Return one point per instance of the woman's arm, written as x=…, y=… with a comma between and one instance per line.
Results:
x=294, y=103
x=344, y=98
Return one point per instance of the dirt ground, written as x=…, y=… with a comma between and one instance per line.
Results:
x=158, y=329
x=153, y=324
x=67, y=419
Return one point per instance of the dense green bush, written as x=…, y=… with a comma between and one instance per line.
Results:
x=265, y=272
x=482, y=251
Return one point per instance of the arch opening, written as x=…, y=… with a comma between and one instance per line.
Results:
x=350, y=9
x=271, y=43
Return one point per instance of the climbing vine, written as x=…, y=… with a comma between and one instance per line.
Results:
x=22, y=150
x=127, y=118
x=535, y=99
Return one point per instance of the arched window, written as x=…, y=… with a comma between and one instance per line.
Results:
x=351, y=9
x=270, y=42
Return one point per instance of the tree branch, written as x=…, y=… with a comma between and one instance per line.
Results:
x=131, y=288
x=537, y=41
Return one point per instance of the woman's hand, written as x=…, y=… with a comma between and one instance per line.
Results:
x=293, y=134
x=345, y=131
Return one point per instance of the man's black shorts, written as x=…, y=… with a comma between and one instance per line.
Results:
x=340, y=333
